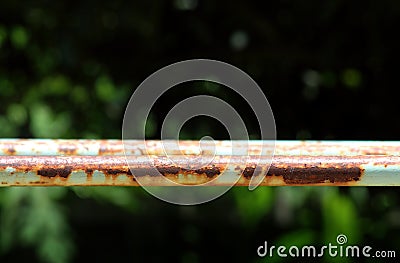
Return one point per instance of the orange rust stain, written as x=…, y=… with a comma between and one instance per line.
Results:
x=103, y=149
x=283, y=170
x=37, y=183
x=210, y=171
x=89, y=174
x=9, y=149
x=68, y=149
x=107, y=148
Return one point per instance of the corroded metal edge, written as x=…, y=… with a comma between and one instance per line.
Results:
x=364, y=170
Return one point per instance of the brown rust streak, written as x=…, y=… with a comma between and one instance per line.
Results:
x=110, y=148
x=9, y=149
x=293, y=170
x=50, y=168
x=67, y=149
x=53, y=172
x=62, y=167
x=209, y=171
x=381, y=150
x=250, y=171
x=318, y=170
x=316, y=175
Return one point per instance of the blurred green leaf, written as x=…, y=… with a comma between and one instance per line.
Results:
x=6, y=87
x=360, y=195
x=19, y=37
x=119, y=196
x=288, y=202
x=298, y=238
x=43, y=61
x=55, y=85
x=352, y=78
x=32, y=217
x=3, y=35
x=253, y=205
x=340, y=218
x=46, y=124
x=105, y=88
x=8, y=129
x=79, y=94
x=17, y=114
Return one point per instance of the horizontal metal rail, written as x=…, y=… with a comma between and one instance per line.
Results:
x=154, y=147
x=102, y=162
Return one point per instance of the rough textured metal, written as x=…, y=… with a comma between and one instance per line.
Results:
x=115, y=147
x=364, y=170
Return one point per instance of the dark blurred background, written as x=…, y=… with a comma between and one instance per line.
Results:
x=68, y=68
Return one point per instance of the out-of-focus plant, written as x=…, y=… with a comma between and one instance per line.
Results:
x=67, y=71
x=34, y=217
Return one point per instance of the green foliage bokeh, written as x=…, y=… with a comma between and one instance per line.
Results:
x=67, y=70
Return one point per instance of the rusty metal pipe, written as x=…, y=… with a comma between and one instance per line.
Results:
x=46, y=147
x=364, y=170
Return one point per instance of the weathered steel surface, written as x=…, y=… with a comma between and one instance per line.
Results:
x=113, y=170
x=115, y=147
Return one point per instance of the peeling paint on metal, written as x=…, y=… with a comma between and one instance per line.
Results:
x=34, y=147
x=284, y=170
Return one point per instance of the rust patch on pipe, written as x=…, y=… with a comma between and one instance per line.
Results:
x=144, y=172
x=210, y=171
x=67, y=149
x=284, y=170
x=250, y=171
x=110, y=148
x=103, y=149
x=111, y=171
x=168, y=170
x=52, y=172
x=316, y=175
x=8, y=149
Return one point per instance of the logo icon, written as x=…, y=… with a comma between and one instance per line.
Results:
x=153, y=87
